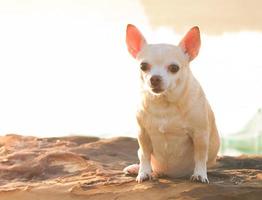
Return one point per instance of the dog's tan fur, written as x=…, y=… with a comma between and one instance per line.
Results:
x=178, y=134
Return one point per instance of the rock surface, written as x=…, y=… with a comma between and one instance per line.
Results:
x=91, y=168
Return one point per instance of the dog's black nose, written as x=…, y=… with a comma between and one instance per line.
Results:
x=155, y=80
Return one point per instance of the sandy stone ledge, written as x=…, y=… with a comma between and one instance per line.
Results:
x=91, y=168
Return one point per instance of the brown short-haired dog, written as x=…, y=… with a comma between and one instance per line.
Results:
x=178, y=134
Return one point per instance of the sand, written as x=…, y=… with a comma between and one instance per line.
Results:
x=91, y=168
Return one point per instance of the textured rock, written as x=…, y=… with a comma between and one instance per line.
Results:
x=89, y=167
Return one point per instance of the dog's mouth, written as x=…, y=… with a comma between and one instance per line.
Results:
x=157, y=90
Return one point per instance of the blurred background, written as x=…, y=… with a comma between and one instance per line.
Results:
x=65, y=70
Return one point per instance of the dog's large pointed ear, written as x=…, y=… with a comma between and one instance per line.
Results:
x=191, y=43
x=134, y=40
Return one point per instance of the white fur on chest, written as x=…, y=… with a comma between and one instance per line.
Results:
x=167, y=128
x=162, y=121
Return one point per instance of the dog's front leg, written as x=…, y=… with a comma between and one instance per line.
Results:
x=200, y=141
x=144, y=155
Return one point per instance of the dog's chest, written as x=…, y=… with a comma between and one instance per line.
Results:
x=167, y=121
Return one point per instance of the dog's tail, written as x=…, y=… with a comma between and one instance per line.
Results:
x=131, y=169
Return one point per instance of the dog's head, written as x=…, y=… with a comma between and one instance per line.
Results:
x=163, y=66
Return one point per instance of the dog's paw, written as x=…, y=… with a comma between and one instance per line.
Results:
x=199, y=178
x=142, y=176
x=131, y=169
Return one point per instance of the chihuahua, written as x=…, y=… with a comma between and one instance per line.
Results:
x=177, y=130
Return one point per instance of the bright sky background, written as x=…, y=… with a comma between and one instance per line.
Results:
x=64, y=69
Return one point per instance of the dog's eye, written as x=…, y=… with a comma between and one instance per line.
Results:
x=173, y=68
x=144, y=66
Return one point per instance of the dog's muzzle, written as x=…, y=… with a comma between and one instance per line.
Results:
x=156, y=84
